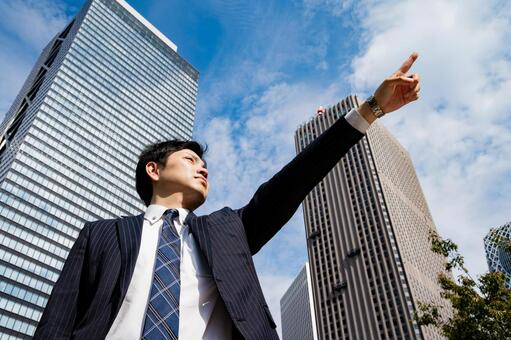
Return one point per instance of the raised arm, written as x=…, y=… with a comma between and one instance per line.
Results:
x=276, y=200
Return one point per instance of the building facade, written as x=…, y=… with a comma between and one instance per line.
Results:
x=297, y=309
x=497, y=245
x=367, y=226
x=104, y=87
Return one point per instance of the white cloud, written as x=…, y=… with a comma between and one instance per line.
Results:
x=26, y=26
x=248, y=61
x=33, y=22
x=14, y=68
x=334, y=7
x=459, y=132
x=245, y=152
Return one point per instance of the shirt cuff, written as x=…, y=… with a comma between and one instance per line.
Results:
x=357, y=121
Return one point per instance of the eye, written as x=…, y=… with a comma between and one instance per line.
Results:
x=189, y=158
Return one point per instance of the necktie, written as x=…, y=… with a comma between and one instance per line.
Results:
x=162, y=315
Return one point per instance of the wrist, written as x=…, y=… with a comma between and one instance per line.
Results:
x=365, y=111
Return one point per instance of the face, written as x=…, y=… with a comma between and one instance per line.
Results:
x=184, y=174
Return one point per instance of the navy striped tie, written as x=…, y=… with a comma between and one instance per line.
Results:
x=162, y=315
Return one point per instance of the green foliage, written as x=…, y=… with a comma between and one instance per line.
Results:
x=427, y=314
x=448, y=249
x=481, y=309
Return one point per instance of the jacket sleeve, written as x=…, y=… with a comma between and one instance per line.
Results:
x=276, y=200
x=59, y=316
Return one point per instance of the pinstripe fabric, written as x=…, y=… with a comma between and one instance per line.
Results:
x=162, y=315
x=88, y=293
x=95, y=278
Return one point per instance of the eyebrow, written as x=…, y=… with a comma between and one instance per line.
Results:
x=198, y=159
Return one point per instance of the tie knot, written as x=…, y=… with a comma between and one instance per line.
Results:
x=170, y=214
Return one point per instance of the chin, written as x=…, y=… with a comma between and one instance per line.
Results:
x=196, y=200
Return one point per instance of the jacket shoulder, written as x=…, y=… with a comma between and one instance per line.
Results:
x=101, y=234
x=102, y=223
x=109, y=225
x=225, y=212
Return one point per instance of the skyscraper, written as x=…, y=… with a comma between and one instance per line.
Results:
x=297, y=309
x=498, y=252
x=103, y=88
x=367, y=226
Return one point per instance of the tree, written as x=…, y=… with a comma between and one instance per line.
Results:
x=481, y=308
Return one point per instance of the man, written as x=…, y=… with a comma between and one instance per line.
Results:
x=168, y=273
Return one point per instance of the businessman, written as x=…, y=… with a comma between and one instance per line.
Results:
x=169, y=274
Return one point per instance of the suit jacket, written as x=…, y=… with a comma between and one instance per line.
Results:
x=88, y=294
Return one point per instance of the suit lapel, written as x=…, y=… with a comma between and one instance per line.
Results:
x=129, y=232
x=199, y=230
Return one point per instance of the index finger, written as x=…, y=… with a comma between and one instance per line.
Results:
x=408, y=63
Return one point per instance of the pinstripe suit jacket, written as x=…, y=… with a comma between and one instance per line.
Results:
x=88, y=294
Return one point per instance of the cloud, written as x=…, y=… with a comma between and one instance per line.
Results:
x=458, y=134
x=332, y=7
x=281, y=44
x=26, y=26
x=45, y=18
x=246, y=151
x=14, y=68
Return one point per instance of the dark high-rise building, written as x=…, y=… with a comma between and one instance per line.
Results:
x=297, y=309
x=104, y=87
x=367, y=226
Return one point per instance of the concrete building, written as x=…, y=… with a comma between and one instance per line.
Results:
x=104, y=87
x=498, y=253
x=297, y=310
x=367, y=226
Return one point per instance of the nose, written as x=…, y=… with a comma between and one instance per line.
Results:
x=204, y=172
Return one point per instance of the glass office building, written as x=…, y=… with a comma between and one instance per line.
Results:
x=497, y=245
x=103, y=88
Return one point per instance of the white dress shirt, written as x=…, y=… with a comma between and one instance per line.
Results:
x=202, y=312
x=357, y=121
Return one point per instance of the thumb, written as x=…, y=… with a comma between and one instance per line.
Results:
x=402, y=80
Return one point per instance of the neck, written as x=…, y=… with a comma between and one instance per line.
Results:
x=175, y=200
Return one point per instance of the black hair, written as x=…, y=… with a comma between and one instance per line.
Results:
x=158, y=153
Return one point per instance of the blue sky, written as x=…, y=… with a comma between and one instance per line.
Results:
x=266, y=65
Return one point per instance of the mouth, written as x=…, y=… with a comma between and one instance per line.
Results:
x=203, y=180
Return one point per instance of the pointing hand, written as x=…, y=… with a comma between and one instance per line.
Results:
x=398, y=89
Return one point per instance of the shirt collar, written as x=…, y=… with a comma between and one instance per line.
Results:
x=154, y=213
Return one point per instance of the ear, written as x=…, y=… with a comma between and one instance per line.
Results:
x=153, y=171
